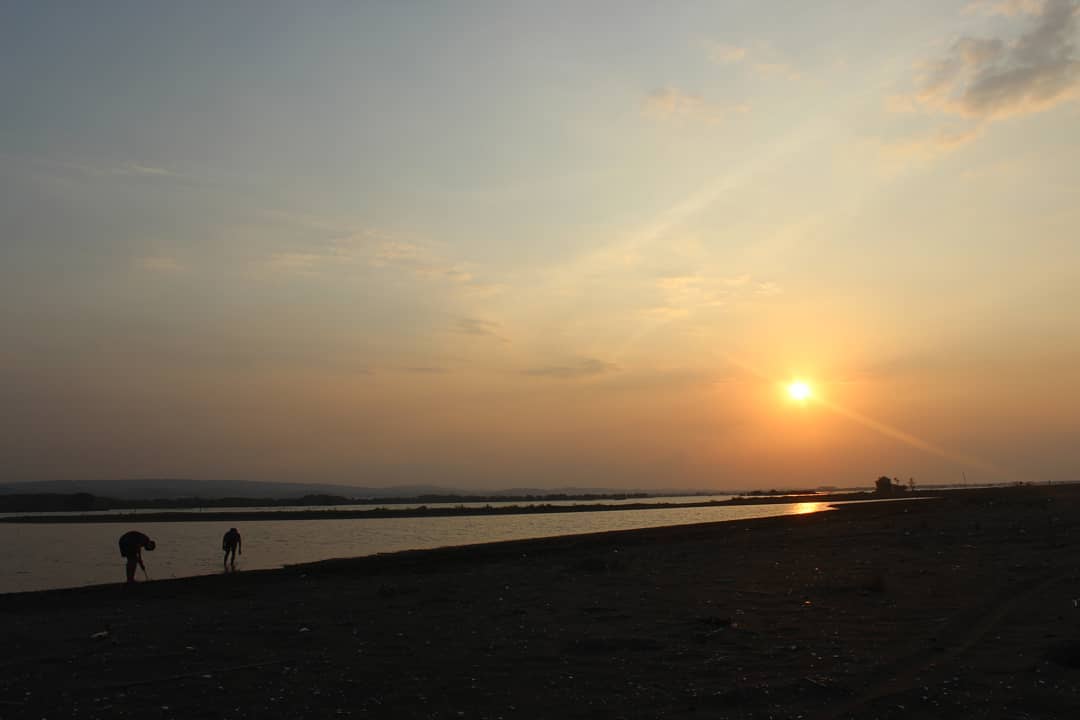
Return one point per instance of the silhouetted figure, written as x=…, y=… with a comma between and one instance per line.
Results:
x=231, y=543
x=131, y=545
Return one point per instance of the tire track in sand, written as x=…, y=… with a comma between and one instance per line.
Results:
x=899, y=675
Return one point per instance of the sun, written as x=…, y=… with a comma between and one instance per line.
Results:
x=799, y=390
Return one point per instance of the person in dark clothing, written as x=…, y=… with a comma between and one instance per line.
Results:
x=131, y=546
x=231, y=543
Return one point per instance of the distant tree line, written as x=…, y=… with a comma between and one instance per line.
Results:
x=755, y=493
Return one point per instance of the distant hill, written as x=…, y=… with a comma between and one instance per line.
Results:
x=164, y=488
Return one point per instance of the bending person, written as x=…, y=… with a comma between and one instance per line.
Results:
x=131, y=545
x=231, y=543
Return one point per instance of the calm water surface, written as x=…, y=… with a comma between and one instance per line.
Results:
x=667, y=500
x=41, y=557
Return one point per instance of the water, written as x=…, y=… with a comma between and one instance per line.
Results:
x=666, y=500
x=46, y=556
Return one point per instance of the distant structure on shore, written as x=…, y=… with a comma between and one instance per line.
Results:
x=891, y=487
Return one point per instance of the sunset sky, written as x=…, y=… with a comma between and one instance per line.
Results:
x=544, y=244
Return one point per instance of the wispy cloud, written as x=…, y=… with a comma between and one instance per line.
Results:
x=930, y=145
x=671, y=103
x=582, y=368
x=736, y=281
x=777, y=69
x=160, y=264
x=132, y=169
x=355, y=249
x=1006, y=7
x=481, y=328
x=425, y=263
x=393, y=252
x=726, y=54
x=987, y=78
x=323, y=255
x=86, y=170
x=297, y=262
x=678, y=282
x=684, y=294
x=767, y=289
x=762, y=61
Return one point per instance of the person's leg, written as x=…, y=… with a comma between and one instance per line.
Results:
x=131, y=563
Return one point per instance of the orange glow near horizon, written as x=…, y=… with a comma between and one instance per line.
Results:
x=801, y=392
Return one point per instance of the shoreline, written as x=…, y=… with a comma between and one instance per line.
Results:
x=449, y=554
x=222, y=515
x=958, y=608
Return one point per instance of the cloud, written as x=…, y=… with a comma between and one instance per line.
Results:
x=673, y=104
x=665, y=313
x=314, y=258
x=678, y=282
x=393, y=252
x=374, y=249
x=585, y=367
x=102, y=171
x=931, y=145
x=767, y=66
x=425, y=263
x=726, y=54
x=160, y=264
x=686, y=293
x=767, y=289
x=482, y=328
x=990, y=78
x=981, y=80
x=479, y=290
x=736, y=280
x=136, y=170
x=1006, y=7
x=296, y=263
x=777, y=69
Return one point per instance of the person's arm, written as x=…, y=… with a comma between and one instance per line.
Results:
x=240, y=545
x=139, y=558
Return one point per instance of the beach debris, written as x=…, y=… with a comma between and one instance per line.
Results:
x=819, y=681
x=305, y=629
x=100, y=635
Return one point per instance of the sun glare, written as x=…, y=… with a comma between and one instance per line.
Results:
x=799, y=390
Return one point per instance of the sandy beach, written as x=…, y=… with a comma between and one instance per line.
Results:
x=959, y=606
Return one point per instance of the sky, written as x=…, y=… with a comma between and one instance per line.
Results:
x=546, y=244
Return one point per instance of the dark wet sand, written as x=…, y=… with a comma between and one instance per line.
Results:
x=956, y=607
